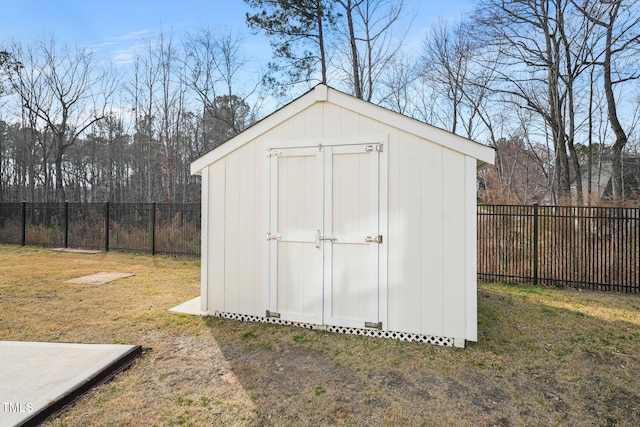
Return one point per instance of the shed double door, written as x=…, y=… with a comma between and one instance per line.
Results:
x=324, y=235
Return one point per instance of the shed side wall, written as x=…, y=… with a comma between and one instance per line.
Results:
x=428, y=239
x=236, y=235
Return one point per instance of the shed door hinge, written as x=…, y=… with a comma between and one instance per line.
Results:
x=273, y=236
x=273, y=152
x=374, y=147
x=273, y=314
x=373, y=239
x=373, y=325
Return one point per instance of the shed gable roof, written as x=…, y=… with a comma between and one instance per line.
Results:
x=322, y=93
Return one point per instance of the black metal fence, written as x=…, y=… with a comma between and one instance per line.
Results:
x=585, y=247
x=155, y=228
x=582, y=247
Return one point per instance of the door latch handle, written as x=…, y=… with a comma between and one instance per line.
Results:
x=320, y=238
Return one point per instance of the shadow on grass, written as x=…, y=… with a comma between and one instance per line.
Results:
x=536, y=363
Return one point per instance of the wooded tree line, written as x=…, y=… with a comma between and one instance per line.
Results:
x=551, y=84
x=86, y=133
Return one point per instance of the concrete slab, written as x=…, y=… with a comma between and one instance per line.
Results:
x=77, y=251
x=190, y=307
x=39, y=379
x=99, y=278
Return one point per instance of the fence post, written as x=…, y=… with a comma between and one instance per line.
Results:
x=106, y=226
x=66, y=224
x=23, y=236
x=535, y=243
x=153, y=229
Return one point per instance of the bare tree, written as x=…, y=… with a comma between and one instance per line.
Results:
x=368, y=44
x=7, y=64
x=169, y=107
x=213, y=67
x=536, y=68
x=349, y=6
x=396, y=86
x=458, y=71
x=143, y=88
x=445, y=65
x=618, y=47
x=62, y=88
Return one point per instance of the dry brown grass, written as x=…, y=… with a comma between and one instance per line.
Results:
x=545, y=356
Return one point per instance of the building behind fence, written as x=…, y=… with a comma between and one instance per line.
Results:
x=583, y=247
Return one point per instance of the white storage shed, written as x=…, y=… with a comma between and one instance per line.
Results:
x=339, y=214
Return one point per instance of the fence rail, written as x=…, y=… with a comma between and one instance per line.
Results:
x=585, y=247
x=155, y=228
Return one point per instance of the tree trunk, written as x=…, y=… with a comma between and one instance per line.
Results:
x=60, y=193
x=556, y=122
x=354, y=50
x=323, y=58
x=616, y=127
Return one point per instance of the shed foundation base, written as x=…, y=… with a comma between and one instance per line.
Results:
x=401, y=336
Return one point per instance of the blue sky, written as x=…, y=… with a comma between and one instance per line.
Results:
x=114, y=28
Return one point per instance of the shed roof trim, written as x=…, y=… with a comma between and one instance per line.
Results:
x=322, y=93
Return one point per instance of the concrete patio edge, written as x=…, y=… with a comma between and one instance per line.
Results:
x=103, y=362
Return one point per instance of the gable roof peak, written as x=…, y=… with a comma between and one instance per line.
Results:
x=322, y=93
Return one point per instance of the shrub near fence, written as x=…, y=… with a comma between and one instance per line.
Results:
x=11, y=223
x=172, y=229
x=584, y=247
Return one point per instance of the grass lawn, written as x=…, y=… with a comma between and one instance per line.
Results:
x=544, y=357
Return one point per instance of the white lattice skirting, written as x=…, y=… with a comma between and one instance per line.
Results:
x=402, y=336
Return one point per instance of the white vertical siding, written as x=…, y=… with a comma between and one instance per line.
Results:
x=314, y=123
x=232, y=227
x=241, y=236
x=453, y=243
x=432, y=193
x=278, y=132
x=334, y=120
x=404, y=280
x=471, y=257
x=258, y=230
x=395, y=231
x=383, y=228
x=216, y=185
x=204, y=242
x=428, y=219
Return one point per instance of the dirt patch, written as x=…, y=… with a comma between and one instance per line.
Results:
x=99, y=278
x=77, y=251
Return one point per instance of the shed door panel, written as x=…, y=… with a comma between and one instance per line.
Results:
x=351, y=218
x=296, y=261
x=324, y=206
